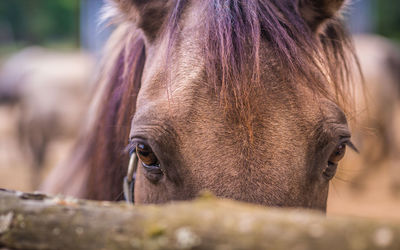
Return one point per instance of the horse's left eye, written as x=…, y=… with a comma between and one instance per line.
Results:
x=337, y=154
x=334, y=160
x=146, y=155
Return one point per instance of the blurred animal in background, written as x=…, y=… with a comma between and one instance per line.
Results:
x=378, y=109
x=49, y=91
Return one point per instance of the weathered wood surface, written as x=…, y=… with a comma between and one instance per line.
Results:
x=29, y=221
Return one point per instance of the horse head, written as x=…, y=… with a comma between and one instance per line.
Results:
x=245, y=99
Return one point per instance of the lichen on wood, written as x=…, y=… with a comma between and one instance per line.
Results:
x=34, y=221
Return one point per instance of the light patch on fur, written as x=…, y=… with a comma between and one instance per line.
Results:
x=5, y=222
x=108, y=12
x=111, y=13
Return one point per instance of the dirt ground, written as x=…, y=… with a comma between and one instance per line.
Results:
x=374, y=200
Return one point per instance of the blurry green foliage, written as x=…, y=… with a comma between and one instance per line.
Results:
x=40, y=21
x=387, y=15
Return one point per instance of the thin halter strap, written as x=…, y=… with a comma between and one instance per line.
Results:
x=129, y=180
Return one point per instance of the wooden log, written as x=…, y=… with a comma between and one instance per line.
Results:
x=34, y=221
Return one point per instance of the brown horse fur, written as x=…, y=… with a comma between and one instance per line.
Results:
x=242, y=98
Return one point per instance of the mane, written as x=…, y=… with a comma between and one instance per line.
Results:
x=234, y=33
x=235, y=30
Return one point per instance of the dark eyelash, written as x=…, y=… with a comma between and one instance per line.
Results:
x=130, y=148
x=352, y=146
x=346, y=140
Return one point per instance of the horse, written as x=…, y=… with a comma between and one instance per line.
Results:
x=245, y=99
x=49, y=92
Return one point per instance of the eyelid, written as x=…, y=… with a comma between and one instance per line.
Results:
x=133, y=142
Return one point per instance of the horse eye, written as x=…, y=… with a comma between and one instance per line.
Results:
x=337, y=154
x=333, y=161
x=146, y=155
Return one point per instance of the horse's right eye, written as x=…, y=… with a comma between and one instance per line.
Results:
x=146, y=155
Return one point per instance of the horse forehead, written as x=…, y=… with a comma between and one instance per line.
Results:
x=180, y=88
x=187, y=92
x=190, y=103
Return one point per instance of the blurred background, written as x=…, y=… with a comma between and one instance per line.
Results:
x=48, y=54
